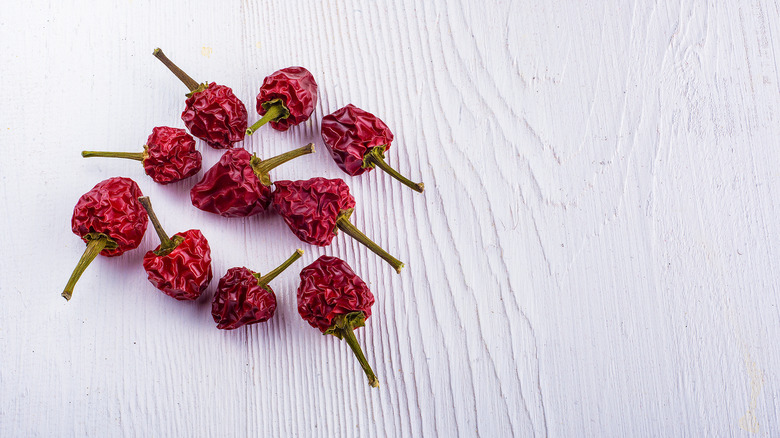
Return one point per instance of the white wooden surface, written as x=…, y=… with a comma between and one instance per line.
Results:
x=595, y=253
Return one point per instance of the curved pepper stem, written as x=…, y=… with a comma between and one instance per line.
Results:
x=93, y=249
x=263, y=280
x=262, y=167
x=346, y=226
x=166, y=243
x=343, y=328
x=138, y=156
x=274, y=112
x=184, y=77
x=376, y=157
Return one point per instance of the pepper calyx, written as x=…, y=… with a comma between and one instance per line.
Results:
x=262, y=167
x=110, y=243
x=350, y=321
x=267, y=105
x=200, y=88
x=175, y=241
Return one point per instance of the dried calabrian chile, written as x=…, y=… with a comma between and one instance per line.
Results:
x=244, y=296
x=213, y=113
x=180, y=266
x=239, y=184
x=333, y=299
x=110, y=220
x=357, y=141
x=287, y=97
x=317, y=208
x=169, y=155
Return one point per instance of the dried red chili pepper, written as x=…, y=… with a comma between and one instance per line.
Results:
x=333, y=299
x=317, y=208
x=110, y=220
x=287, y=97
x=169, y=155
x=357, y=141
x=244, y=296
x=212, y=113
x=180, y=266
x=239, y=184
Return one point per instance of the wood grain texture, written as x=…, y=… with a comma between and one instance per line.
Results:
x=594, y=254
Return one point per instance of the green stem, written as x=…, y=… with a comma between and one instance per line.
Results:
x=348, y=334
x=139, y=156
x=346, y=226
x=184, y=77
x=93, y=249
x=273, y=112
x=376, y=157
x=262, y=167
x=166, y=244
x=263, y=280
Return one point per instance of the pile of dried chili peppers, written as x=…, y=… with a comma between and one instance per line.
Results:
x=113, y=216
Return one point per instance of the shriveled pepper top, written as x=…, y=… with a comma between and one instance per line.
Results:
x=111, y=208
x=330, y=288
x=293, y=87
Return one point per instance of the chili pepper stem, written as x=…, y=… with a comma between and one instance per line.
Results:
x=272, y=113
x=263, y=280
x=93, y=249
x=262, y=167
x=184, y=77
x=352, y=231
x=165, y=242
x=376, y=156
x=139, y=156
x=348, y=334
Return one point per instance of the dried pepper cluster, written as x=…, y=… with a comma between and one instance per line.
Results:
x=112, y=218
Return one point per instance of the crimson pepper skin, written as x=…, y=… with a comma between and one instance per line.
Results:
x=110, y=220
x=169, y=155
x=286, y=98
x=212, y=112
x=357, y=141
x=317, y=208
x=180, y=266
x=244, y=296
x=239, y=184
x=334, y=300
x=216, y=116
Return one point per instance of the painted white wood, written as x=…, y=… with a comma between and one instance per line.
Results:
x=594, y=255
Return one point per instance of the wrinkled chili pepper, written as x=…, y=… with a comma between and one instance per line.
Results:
x=110, y=220
x=239, y=184
x=333, y=299
x=317, y=208
x=180, y=266
x=244, y=296
x=357, y=141
x=169, y=155
x=287, y=97
x=212, y=113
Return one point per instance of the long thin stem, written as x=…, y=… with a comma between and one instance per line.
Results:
x=93, y=249
x=349, y=335
x=376, y=156
x=265, y=279
x=166, y=243
x=346, y=226
x=262, y=167
x=139, y=156
x=272, y=113
x=184, y=77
